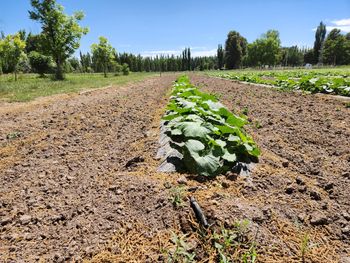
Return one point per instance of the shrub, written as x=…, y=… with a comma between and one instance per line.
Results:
x=125, y=69
x=40, y=64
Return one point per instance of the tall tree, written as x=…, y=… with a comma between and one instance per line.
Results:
x=103, y=54
x=60, y=33
x=335, y=48
x=319, y=40
x=265, y=50
x=220, y=55
x=11, y=50
x=235, y=49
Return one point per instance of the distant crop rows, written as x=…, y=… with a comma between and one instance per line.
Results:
x=329, y=82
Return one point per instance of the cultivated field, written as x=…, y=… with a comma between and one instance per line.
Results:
x=326, y=80
x=80, y=181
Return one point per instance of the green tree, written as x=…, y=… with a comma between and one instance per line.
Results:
x=309, y=56
x=61, y=33
x=11, y=51
x=334, y=51
x=235, y=50
x=291, y=56
x=103, y=54
x=33, y=43
x=125, y=69
x=319, y=40
x=221, y=56
x=40, y=64
x=265, y=50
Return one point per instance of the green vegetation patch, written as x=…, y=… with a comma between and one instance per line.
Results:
x=30, y=86
x=329, y=82
x=210, y=137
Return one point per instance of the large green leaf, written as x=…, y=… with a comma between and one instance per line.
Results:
x=192, y=129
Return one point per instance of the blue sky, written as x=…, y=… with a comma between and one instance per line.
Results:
x=155, y=26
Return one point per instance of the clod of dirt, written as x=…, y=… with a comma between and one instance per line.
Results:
x=290, y=189
x=182, y=180
x=134, y=161
x=315, y=195
x=318, y=218
x=25, y=219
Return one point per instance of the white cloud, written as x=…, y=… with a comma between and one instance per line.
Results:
x=341, y=22
x=195, y=52
x=345, y=29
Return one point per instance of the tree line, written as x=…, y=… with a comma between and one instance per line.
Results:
x=52, y=50
x=331, y=49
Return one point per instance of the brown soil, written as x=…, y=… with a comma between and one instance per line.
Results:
x=79, y=178
x=65, y=188
x=301, y=184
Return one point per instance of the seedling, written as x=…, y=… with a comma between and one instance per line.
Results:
x=13, y=135
x=177, y=196
x=181, y=252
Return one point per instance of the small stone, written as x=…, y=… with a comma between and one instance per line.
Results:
x=299, y=181
x=346, y=231
x=315, y=195
x=112, y=188
x=5, y=221
x=182, y=180
x=329, y=186
x=25, y=219
x=302, y=188
x=225, y=184
x=318, y=218
x=290, y=189
x=285, y=164
x=346, y=215
x=346, y=175
x=167, y=185
x=302, y=217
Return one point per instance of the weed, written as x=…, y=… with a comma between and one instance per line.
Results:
x=177, y=196
x=304, y=247
x=347, y=105
x=13, y=135
x=257, y=125
x=181, y=253
x=245, y=111
x=231, y=244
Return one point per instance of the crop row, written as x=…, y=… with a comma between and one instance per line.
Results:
x=314, y=82
x=210, y=137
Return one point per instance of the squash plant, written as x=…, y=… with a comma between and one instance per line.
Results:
x=209, y=136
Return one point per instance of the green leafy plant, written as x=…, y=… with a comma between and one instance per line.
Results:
x=13, y=135
x=210, y=137
x=304, y=247
x=229, y=243
x=177, y=195
x=310, y=81
x=181, y=253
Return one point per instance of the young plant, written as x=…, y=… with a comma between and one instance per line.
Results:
x=210, y=137
x=177, y=196
x=304, y=247
x=181, y=253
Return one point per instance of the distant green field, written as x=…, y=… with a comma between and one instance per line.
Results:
x=30, y=86
x=325, y=80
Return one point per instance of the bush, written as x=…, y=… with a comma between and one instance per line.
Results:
x=23, y=64
x=40, y=64
x=125, y=69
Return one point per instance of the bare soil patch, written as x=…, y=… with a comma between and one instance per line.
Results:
x=301, y=185
x=79, y=177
